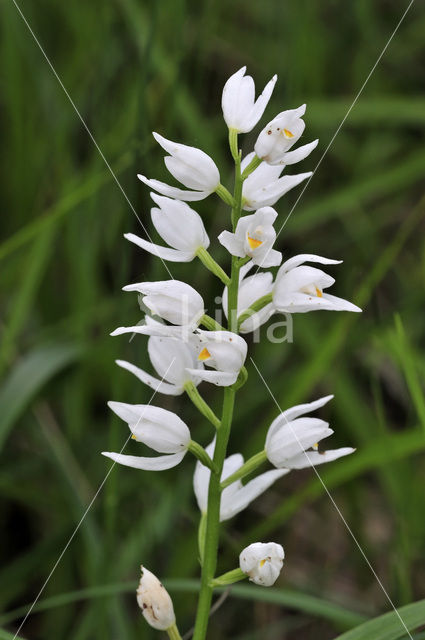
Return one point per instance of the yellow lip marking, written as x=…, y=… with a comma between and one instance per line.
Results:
x=204, y=355
x=253, y=243
x=288, y=134
x=133, y=436
x=319, y=294
x=263, y=562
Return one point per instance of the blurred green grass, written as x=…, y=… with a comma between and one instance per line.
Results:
x=135, y=66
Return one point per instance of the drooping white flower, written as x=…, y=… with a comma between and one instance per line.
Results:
x=155, y=602
x=179, y=225
x=159, y=429
x=292, y=441
x=299, y=288
x=172, y=300
x=240, y=109
x=262, y=562
x=280, y=135
x=236, y=497
x=264, y=186
x=254, y=237
x=251, y=288
x=190, y=166
x=224, y=351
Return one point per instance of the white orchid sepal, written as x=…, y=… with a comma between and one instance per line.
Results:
x=237, y=496
x=241, y=111
x=262, y=562
x=180, y=226
x=172, y=300
x=299, y=288
x=190, y=166
x=254, y=237
x=279, y=135
x=292, y=439
x=264, y=185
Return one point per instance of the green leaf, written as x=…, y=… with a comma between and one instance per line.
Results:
x=390, y=625
x=28, y=377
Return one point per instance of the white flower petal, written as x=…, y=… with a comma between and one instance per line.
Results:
x=305, y=257
x=172, y=255
x=219, y=378
x=174, y=192
x=160, y=463
x=291, y=157
x=159, y=386
x=313, y=458
x=251, y=491
x=231, y=243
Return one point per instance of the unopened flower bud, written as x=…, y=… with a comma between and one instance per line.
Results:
x=155, y=602
x=262, y=562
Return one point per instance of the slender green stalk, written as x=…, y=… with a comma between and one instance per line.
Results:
x=255, y=162
x=173, y=633
x=230, y=577
x=250, y=465
x=199, y=452
x=209, y=262
x=200, y=404
x=225, y=195
x=256, y=306
x=211, y=324
x=210, y=528
x=213, y=518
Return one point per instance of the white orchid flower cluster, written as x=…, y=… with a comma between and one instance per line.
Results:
x=187, y=347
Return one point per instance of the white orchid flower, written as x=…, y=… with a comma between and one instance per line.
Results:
x=236, y=497
x=159, y=429
x=241, y=111
x=179, y=225
x=172, y=300
x=299, y=288
x=279, y=135
x=251, y=288
x=224, y=351
x=264, y=186
x=262, y=562
x=254, y=237
x=155, y=602
x=292, y=441
x=190, y=166
x=172, y=359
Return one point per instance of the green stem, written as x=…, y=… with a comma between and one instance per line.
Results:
x=209, y=262
x=200, y=403
x=224, y=194
x=213, y=518
x=199, y=452
x=211, y=324
x=256, y=306
x=233, y=144
x=230, y=577
x=250, y=465
x=255, y=162
x=173, y=633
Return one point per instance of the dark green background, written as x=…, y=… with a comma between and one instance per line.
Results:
x=131, y=67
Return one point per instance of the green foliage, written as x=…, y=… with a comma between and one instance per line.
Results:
x=131, y=67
